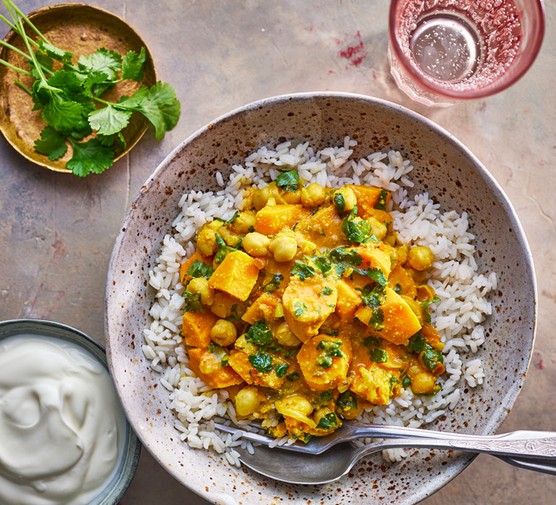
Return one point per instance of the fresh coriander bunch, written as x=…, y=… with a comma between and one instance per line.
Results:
x=71, y=96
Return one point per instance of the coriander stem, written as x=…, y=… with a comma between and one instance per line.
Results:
x=15, y=49
x=23, y=87
x=9, y=4
x=13, y=67
x=32, y=54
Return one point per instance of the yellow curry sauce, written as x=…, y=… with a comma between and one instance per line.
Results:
x=307, y=308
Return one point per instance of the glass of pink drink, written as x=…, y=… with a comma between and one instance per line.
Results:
x=443, y=51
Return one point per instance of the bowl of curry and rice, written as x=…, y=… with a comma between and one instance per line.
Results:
x=306, y=261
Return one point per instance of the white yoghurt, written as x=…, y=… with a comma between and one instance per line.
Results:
x=61, y=423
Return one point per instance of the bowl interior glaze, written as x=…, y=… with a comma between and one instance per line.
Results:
x=443, y=167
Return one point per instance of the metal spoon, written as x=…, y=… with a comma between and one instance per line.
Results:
x=534, y=450
x=300, y=468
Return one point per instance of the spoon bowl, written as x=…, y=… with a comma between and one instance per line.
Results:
x=310, y=469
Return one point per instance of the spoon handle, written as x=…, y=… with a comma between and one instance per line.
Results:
x=540, y=446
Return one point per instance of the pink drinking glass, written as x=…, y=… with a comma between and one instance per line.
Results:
x=443, y=51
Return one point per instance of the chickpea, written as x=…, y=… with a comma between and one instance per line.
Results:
x=379, y=229
x=244, y=222
x=229, y=236
x=200, y=286
x=206, y=241
x=223, y=333
x=292, y=197
x=247, y=401
x=256, y=244
x=425, y=292
x=262, y=196
x=403, y=253
x=283, y=247
x=423, y=383
x=344, y=199
x=420, y=258
x=285, y=337
x=209, y=363
x=313, y=195
x=294, y=404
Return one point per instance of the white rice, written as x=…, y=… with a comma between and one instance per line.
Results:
x=456, y=278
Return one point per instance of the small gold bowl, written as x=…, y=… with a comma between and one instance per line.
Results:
x=82, y=30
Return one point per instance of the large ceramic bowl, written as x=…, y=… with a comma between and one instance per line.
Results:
x=443, y=167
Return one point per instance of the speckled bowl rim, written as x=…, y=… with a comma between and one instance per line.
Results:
x=488, y=426
x=132, y=447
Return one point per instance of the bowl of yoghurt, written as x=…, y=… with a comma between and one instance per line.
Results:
x=64, y=438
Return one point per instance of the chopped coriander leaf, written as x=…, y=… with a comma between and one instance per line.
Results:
x=262, y=362
x=331, y=349
x=228, y=221
x=324, y=361
x=425, y=307
x=192, y=302
x=346, y=401
x=292, y=377
x=325, y=397
x=381, y=202
x=376, y=321
x=223, y=249
x=328, y=422
x=200, y=269
x=327, y=290
x=373, y=296
x=259, y=334
x=339, y=202
x=406, y=382
x=302, y=270
x=300, y=308
x=220, y=353
x=281, y=369
x=416, y=343
x=378, y=355
x=431, y=357
x=274, y=283
x=372, y=341
x=356, y=229
x=288, y=180
x=377, y=275
x=323, y=264
x=344, y=255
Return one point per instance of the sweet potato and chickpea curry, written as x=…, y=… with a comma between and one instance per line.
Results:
x=307, y=308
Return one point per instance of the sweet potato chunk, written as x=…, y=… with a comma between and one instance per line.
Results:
x=398, y=323
x=184, y=267
x=307, y=304
x=196, y=328
x=376, y=256
x=324, y=362
x=348, y=300
x=372, y=383
x=323, y=228
x=263, y=308
x=210, y=369
x=236, y=275
x=367, y=199
x=273, y=218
